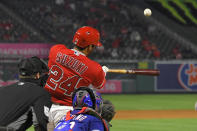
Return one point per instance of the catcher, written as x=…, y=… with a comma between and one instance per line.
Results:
x=86, y=115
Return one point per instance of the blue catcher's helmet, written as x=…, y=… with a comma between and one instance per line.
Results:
x=86, y=97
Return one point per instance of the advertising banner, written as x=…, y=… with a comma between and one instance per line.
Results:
x=25, y=49
x=177, y=77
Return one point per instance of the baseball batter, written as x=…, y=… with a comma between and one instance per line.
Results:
x=71, y=69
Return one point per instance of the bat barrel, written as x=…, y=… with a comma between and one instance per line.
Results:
x=152, y=72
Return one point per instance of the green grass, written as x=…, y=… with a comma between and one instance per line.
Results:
x=155, y=125
x=153, y=102
x=30, y=129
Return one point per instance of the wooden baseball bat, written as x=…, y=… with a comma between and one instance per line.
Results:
x=152, y=72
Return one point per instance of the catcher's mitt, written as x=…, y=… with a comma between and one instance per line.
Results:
x=108, y=110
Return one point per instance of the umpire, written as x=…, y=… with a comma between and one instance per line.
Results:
x=25, y=102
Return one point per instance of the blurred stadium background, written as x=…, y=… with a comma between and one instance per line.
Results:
x=166, y=41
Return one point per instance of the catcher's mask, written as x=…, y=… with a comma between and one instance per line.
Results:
x=86, y=97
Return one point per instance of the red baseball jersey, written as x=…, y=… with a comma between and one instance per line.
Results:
x=70, y=69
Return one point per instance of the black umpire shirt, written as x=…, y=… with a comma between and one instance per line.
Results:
x=18, y=98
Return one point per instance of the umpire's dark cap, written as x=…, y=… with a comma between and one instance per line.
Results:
x=31, y=66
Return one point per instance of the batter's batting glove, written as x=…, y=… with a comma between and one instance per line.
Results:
x=108, y=110
x=105, y=69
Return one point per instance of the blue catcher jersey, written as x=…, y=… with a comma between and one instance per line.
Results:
x=80, y=122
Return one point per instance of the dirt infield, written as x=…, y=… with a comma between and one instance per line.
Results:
x=153, y=114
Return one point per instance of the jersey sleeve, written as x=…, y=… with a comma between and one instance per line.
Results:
x=100, y=80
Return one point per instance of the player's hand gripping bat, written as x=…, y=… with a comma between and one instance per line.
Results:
x=152, y=72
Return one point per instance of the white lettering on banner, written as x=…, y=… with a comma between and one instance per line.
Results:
x=2, y=51
x=38, y=49
x=44, y=51
x=30, y=52
x=5, y=52
x=8, y=51
x=21, y=51
x=25, y=51
x=14, y=51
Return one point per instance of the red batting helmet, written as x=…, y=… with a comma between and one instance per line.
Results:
x=87, y=36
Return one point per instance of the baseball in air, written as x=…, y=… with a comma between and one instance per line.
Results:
x=147, y=12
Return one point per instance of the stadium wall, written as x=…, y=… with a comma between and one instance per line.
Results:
x=175, y=76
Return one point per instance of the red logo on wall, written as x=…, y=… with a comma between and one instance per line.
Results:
x=187, y=76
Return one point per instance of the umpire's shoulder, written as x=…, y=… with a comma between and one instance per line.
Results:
x=35, y=88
